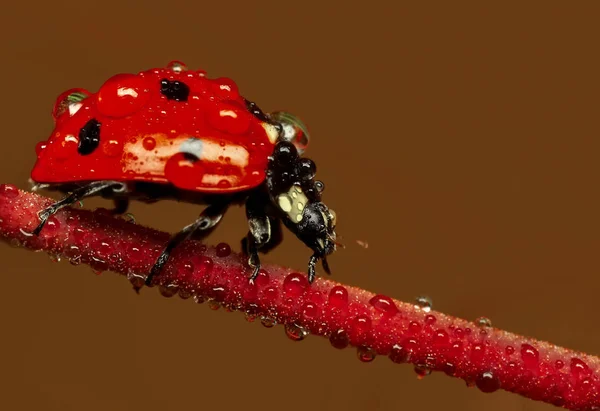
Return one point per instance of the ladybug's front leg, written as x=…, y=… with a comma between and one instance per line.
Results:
x=264, y=233
x=76, y=195
x=208, y=219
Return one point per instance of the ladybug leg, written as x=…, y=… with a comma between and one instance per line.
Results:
x=121, y=205
x=209, y=218
x=261, y=230
x=76, y=195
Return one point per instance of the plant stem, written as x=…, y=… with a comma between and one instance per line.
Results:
x=376, y=325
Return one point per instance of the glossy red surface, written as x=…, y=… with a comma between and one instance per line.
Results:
x=143, y=135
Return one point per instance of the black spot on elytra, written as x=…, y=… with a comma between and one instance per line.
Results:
x=89, y=137
x=174, y=90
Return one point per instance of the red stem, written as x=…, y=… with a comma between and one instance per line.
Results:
x=489, y=358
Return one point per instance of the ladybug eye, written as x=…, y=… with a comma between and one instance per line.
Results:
x=293, y=129
x=69, y=102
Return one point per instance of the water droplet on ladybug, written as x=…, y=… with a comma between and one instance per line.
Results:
x=69, y=102
x=137, y=280
x=295, y=332
x=149, y=143
x=229, y=118
x=306, y=169
x=423, y=303
x=122, y=95
x=365, y=354
x=483, y=322
x=177, y=66
x=112, y=148
x=199, y=299
x=267, y=322
x=293, y=129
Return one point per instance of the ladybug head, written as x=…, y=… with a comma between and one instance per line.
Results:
x=317, y=229
x=293, y=190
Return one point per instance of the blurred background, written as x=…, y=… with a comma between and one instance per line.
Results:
x=459, y=140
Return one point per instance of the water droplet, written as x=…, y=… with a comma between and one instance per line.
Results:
x=75, y=260
x=423, y=303
x=559, y=364
x=339, y=339
x=483, y=322
x=137, y=280
x=268, y=322
x=185, y=294
x=295, y=284
x=55, y=258
x=262, y=279
x=149, y=143
x=199, y=299
x=295, y=332
x=384, y=304
x=310, y=310
x=365, y=354
x=477, y=351
x=223, y=250
x=9, y=190
x=250, y=317
x=450, y=369
x=15, y=243
x=338, y=297
x=487, y=382
x=361, y=324
x=530, y=356
x=399, y=354
x=430, y=319
x=422, y=371
x=509, y=350
x=168, y=290
x=441, y=338
x=270, y=294
x=578, y=367
x=177, y=66
x=206, y=265
x=213, y=304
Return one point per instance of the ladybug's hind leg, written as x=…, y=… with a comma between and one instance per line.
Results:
x=207, y=220
x=79, y=193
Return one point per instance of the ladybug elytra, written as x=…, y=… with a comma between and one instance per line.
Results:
x=174, y=133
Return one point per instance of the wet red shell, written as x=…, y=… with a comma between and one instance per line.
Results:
x=144, y=135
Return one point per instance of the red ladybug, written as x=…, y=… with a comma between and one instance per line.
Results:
x=174, y=133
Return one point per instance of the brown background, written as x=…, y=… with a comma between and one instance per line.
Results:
x=460, y=141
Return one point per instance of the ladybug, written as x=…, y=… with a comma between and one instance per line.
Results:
x=173, y=133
